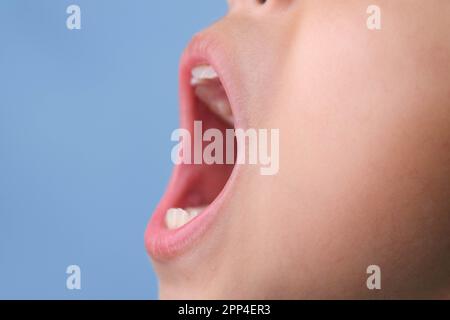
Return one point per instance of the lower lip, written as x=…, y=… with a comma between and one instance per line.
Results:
x=163, y=243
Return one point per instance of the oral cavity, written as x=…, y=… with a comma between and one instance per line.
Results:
x=209, y=90
x=177, y=217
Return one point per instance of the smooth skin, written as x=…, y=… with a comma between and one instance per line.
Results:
x=364, y=119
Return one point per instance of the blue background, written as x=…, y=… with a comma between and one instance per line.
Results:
x=85, y=123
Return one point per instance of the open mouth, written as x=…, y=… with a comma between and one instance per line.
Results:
x=198, y=187
x=212, y=110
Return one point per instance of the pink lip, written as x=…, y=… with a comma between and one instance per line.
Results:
x=162, y=243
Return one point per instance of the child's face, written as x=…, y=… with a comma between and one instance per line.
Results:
x=364, y=165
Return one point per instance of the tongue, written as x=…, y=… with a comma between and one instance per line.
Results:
x=211, y=93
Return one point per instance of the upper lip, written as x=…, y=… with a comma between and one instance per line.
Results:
x=162, y=243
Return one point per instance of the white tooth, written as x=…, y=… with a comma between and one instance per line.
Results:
x=195, y=211
x=209, y=89
x=203, y=72
x=176, y=217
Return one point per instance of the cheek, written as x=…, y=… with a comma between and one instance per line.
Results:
x=350, y=194
x=364, y=167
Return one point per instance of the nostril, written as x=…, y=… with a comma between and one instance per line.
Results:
x=245, y=4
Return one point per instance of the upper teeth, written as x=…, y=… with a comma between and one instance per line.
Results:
x=203, y=72
x=176, y=217
x=210, y=91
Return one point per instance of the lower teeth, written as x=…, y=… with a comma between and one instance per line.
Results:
x=177, y=217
